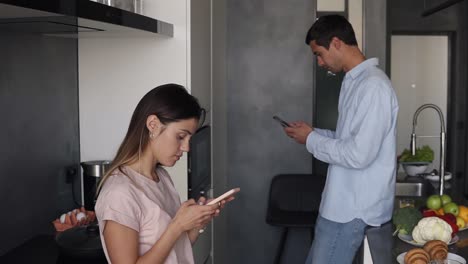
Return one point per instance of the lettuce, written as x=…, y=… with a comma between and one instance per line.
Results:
x=423, y=154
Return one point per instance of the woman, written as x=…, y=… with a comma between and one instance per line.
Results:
x=140, y=216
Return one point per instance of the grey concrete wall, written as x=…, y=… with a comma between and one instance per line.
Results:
x=269, y=71
x=39, y=136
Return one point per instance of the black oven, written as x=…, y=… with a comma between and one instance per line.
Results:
x=199, y=163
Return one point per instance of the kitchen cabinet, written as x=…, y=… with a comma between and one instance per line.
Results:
x=39, y=136
x=39, y=96
x=326, y=94
x=77, y=18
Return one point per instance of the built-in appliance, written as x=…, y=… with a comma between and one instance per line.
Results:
x=199, y=163
x=199, y=184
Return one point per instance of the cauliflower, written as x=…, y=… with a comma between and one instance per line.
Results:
x=432, y=228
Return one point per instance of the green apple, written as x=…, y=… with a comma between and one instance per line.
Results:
x=434, y=202
x=445, y=199
x=451, y=208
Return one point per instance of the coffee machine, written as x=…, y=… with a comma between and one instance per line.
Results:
x=92, y=173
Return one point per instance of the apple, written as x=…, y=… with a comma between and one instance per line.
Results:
x=451, y=208
x=445, y=199
x=460, y=222
x=434, y=202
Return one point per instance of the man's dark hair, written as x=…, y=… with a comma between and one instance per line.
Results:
x=327, y=27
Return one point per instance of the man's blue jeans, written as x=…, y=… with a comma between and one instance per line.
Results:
x=336, y=243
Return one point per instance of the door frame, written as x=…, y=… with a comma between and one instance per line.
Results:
x=454, y=144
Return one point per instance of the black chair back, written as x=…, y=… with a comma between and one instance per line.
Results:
x=294, y=199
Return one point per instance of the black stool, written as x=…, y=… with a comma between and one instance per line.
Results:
x=294, y=201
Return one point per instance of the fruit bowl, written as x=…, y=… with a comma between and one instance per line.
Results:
x=414, y=168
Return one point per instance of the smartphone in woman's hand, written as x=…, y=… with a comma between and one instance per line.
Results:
x=224, y=196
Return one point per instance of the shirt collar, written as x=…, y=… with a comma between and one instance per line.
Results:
x=354, y=72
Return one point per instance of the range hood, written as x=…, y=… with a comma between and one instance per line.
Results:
x=76, y=18
x=439, y=7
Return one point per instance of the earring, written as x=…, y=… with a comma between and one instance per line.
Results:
x=151, y=135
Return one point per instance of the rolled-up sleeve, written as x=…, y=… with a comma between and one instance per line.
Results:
x=119, y=207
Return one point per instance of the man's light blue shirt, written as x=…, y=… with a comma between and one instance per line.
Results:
x=362, y=152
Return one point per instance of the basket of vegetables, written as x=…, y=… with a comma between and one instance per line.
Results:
x=418, y=163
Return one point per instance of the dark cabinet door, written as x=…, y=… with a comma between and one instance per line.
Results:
x=326, y=95
x=39, y=135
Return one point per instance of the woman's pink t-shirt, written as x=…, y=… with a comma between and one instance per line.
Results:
x=144, y=205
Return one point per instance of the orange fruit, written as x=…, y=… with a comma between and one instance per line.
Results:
x=440, y=211
x=463, y=212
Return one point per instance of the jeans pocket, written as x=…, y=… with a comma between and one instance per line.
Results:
x=359, y=227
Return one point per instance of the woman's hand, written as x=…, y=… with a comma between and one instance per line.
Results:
x=222, y=203
x=202, y=201
x=194, y=233
x=192, y=215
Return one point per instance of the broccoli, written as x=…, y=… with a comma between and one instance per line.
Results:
x=405, y=219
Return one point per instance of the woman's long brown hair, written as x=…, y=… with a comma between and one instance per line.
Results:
x=170, y=103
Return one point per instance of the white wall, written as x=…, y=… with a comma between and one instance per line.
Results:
x=114, y=74
x=355, y=16
x=330, y=5
x=419, y=76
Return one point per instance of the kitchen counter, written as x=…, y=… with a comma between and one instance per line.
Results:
x=385, y=248
x=41, y=249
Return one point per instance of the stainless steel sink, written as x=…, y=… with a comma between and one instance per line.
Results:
x=410, y=189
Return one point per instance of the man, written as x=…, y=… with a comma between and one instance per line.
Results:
x=361, y=153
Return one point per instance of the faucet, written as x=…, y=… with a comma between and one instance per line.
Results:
x=442, y=140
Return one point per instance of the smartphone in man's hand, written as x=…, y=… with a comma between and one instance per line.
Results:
x=281, y=121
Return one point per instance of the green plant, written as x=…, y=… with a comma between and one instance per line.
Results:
x=423, y=154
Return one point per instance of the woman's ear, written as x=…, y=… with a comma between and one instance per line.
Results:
x=152, y=123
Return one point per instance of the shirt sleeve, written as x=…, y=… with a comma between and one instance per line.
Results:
x=370, y=124
x=325, y=132
x=120, y=207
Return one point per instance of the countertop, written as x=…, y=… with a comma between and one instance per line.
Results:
x=385, y=248
x=42, y=249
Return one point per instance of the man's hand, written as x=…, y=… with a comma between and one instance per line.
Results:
x=298, y=131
